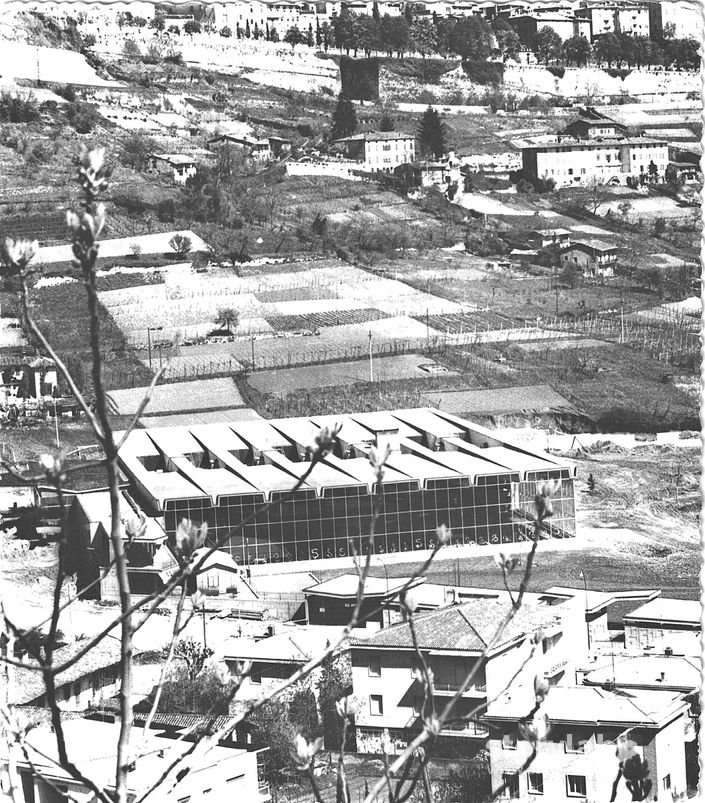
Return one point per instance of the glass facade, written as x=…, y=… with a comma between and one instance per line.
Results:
x=495, y=510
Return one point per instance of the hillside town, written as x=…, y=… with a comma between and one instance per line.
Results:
x=350, y=359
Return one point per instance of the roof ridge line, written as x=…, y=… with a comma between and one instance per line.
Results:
x=471, y=626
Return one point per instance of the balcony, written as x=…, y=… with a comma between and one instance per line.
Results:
x=450, y=689
x=468, y=730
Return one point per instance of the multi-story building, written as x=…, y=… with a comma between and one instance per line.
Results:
x=576, y=761
x=277, y=657
x=219, y=774
x=454, y=641
x=625, y=17
x=565, y=25
x=670, y=626
x=592, y=124
x=571, y=162
x=683, y=18
x=441, y=470
x=380, y=151
x=594, y=258
x=179, y=166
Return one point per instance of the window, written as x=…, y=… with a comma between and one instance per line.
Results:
x=376, y=707
x=574, y=743
x=509, y=741
x=374, y=666
x=667, y=781
x=536, y=783
x=256, y=676
x=511, y=781
x=576, y=786
x=570, y=171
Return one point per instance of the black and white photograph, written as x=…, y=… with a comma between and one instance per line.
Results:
x=350, y=401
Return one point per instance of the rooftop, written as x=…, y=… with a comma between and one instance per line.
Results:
x=594, y=706
x=466, y=628
x=347, y=585
x=648, y=672
x=295, y=645
x=664, y=610
x=96, y=758
x=602, y=142
x=175, y=159
x=376, y=136
x=594, y=245
x=258, y=457
x=29, y=684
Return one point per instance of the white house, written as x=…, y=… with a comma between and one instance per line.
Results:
x=181, y=167
x=380, y=151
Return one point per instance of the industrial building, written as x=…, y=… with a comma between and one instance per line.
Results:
x=442, y=469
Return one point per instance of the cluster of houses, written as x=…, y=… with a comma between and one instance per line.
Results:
x=606, y=678
x=567, y=17
x=609, y=666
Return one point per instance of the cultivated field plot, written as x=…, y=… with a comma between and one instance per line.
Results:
x=384, y=369
x=344, y=301
x=466, y=322
x=289, y=323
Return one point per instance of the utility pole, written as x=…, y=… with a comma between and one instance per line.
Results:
x=56, y=426
x=372, y=378
x=252, y=343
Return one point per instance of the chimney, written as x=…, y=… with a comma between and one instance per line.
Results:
x=387, y=438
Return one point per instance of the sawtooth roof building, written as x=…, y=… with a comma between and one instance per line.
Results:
x=442, y=469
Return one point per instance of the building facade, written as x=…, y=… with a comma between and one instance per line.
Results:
x=380, y=151
x=594, y=258
x=441, y=470
x=576, y=761
x=389, y=696
x=620, y=161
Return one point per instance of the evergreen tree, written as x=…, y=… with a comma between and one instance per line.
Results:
x=344, y=118
x=375, y=11
x=309, y=36
x=432, y=134
x=247, y=30
x=319, y=37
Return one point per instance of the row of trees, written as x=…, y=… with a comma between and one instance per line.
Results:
x=470, y=38
x=616, y=49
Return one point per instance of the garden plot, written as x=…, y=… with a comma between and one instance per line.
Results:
x=291, y=323
x=124, y=246
x=384, y=369
x=342, y=304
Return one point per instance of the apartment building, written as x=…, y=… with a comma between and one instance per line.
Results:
x=632, y=19
x=576, y=763
x=380, y=151
x=670, y=626
x=389, y=697
x=571, y=162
